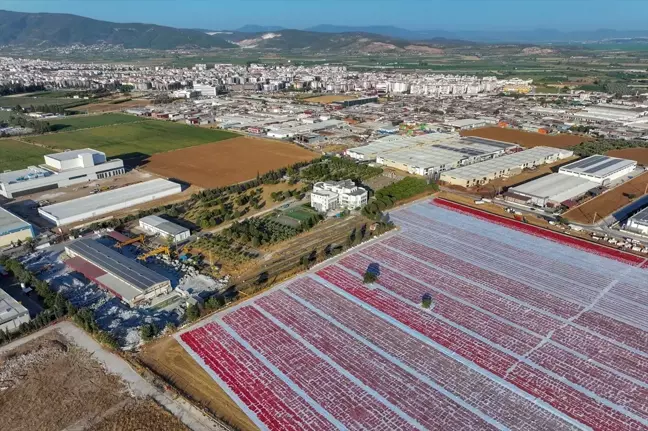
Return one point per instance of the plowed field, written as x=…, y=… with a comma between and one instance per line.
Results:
x=226, y=162
x=640, y=155
x=526, y=139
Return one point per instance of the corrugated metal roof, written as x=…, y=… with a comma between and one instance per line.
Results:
x=11, y=223
x=116, y=264
x=164, y=225
x=598, y=166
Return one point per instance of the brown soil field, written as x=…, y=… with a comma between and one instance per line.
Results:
x=113, y=107
x=330, y=99
x=640, y=155
x=50, y=384
x=526, y=139
x=608, y=202
x=168, y=359
x=226, y=162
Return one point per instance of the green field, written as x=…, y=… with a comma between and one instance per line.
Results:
x=301, y=214
x=17, y=155
x=26, y=101
x=88, y=121
x=134, y=140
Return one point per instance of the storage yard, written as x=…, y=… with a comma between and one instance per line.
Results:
x=227, y=162
x=527, y=139
x=608, y=203
x=521, y=320
x=52, y=383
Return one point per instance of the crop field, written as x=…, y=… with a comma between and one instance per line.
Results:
x=227, y=162
x=330, y=99
x=16, y=155
x=526, y=139
x=135, y=139
x=527, y=329
x=115, y=105
x=88, y=121
x=640, y=155
x=609, y=202
x=37, y=100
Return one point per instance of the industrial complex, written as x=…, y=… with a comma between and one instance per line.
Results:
x=88, y=207
x=13, y=229
x=12, y=313
x=124, y=277
x=59, y=170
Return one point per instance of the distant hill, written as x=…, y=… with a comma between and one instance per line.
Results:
x=251, y=28
x=47, y=29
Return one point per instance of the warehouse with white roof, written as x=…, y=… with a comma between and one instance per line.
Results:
x=158, y=226
x=107, y=202
x=13, y=228
x=600, y=169
x=59, y=170
x=551, y=190
x=505, y=166
x=12, y=313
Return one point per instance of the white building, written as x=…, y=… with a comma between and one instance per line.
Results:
x=638, y=222
x=107, y=202
x=600, y=169
x=13, y=228
x=331, y=195
x=12, y=313
x=205, y=90
x=60, y=170
x=158, y=226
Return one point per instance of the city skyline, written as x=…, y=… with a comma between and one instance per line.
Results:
x=462, y=15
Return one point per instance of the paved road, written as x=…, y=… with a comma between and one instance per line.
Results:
x=193, y=418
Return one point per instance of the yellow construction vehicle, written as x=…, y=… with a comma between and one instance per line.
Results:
x=160, y=250
x=140, y=238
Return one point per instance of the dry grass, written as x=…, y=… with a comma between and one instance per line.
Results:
x=62, y=386
x=140, y=415
x=526, y=139
x=168, y=359
x=113, y=107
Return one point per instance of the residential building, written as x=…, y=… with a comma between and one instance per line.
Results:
x=332, y=195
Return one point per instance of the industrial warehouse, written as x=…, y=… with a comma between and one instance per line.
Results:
x=13, y=229
x=104, y=203
x=430, y=154
x=12, y=313
x=60, y=170
x=158, y=226
x=505, y=166
x=125, y=278
x=571, y=182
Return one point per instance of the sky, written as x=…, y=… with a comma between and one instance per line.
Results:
x=412, y=14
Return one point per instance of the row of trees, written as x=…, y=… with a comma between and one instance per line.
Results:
x=602, y=146
x=9, y=89
x=37, y=126
x=56, y=306
x=336, y=169
x=387, y=197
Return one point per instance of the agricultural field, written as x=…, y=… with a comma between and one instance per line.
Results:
x=229, y=161
x=16, y=155
x=114, y=105
x=330, y=99
x=76, y=122
x=39, y=100
x=640, y=155
x=473, y=321
x=609, y=202
x=51, y=383
x=526, y=139
x=134, y=141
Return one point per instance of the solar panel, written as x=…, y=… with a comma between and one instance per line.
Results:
x=582, y=164
x=604, y=165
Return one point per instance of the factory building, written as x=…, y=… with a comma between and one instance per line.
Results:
x=550, y=191
x=107, y=202
x=503, y=167
x=639, y=222
x=205, y=90
x=332, y=195
x=13, y=229
x=12, y=313
x=124, y=277
x=600, y=169
x=356, y=102
x=60, y=170
x=158, y=226
x=431, y=154
x=610, y=113
x=467, y=124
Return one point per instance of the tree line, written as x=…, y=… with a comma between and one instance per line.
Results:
x=387, y=197
x=10, y=89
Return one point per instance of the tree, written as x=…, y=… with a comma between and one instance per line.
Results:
x=192, y=313
x=369, y=277
x=426, y=301
x=148, y=331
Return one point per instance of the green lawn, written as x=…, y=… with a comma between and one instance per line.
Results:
x=301, y=214
x=88, y=121
x=17, y=155
x=135, y=140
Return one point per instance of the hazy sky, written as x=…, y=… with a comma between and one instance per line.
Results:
x=413, y=14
